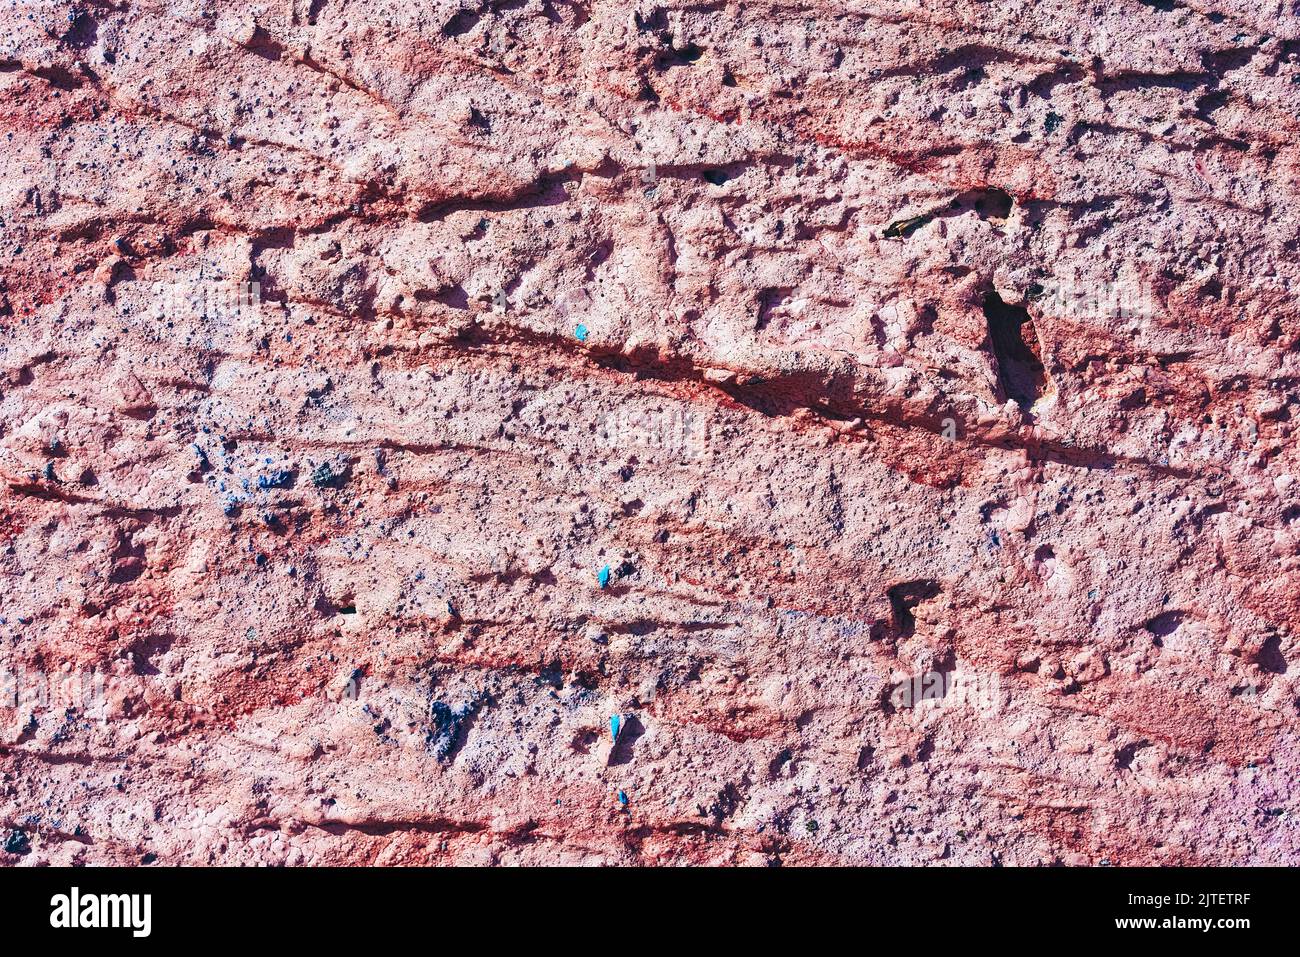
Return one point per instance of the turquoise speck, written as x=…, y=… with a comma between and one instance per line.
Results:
x=622, y=798
x=603, y=577
x=614, y=724
x=581, y=332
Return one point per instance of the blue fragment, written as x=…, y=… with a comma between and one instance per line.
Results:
x=603, y=577
x=581, y=332
x=622, y=798
x=280, y=479
x=615, y=725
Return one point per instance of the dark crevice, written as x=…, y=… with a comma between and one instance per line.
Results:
x=987, y=203
x=1016, y=351
x=784, y=393
x=1184, y=81
x=906, y=596
x=1270, y=657
x=83, y=30
x=1125, y=755
x=768, y=300
x=1165, y=624
x=59, y=77
x=546, y=191
x=674, y=56
x=461, y=23
x=1220, y=62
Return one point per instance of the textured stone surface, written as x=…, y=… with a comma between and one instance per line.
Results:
x=924, y=374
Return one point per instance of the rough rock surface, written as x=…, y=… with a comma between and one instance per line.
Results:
x=920, y=380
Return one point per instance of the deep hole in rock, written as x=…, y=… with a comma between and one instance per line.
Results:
x=460, y=24
x=1165, y=624
x=988, y=203
x=1270, y=657
x=1125, y=755
x=1016, y=349
x=903, y=598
